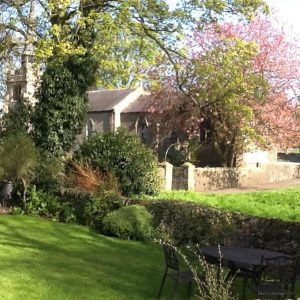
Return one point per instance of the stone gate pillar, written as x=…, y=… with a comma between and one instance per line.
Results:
x=167, y=176
x=189, y=175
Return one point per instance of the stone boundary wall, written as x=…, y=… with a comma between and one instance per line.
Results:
x=209, y=179
x=269, y=172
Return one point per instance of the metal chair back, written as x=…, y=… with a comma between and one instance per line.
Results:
x=278, y=276
x=279, y=269
x=170, y=257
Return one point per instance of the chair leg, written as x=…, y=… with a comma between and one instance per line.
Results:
x=162, y=285
x=189, y=289
x=245, y=279
x=174, y=288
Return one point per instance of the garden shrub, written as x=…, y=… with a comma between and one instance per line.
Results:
x=18, y=158
x=77, y=199
x=129, y=222
x=45, y=204
x=192, y=223
x=49, y=173
x=187, y=222
x=123, y=154
x=99, y=205
x=84, y=177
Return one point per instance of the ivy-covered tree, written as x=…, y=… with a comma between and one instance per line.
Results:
x=60, y=111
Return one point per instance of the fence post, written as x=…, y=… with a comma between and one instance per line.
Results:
x=168, y=174
x=189, y=175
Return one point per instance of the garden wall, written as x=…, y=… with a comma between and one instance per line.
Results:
x=208, y=179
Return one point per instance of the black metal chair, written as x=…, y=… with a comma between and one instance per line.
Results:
x=173, y=271
x=297, y=266
x=278, y=276
x=245, y=274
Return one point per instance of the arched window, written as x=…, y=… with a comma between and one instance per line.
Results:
x=141, y=126
x=89, y=128
x=17, y=92
x=205, y=131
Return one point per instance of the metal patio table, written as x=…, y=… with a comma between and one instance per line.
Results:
x=240, y=257
x=242, y=262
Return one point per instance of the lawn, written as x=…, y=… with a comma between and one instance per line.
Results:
x=282, y=204
x=40, y=259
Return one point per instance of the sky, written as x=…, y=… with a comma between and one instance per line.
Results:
x=287, y=11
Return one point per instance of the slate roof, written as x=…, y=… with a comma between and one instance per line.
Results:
x=142, y=104
x=105, y=100
x=149, y=104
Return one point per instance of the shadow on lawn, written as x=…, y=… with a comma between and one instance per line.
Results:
x=61, y=261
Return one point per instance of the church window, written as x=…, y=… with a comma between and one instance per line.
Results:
x=17, y=92
x=141, y=126
x=89, y=128
x=205, y=131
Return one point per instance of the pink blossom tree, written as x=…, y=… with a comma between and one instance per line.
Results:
x=278, y=62
x=239, y=84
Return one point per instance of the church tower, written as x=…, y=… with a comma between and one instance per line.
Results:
x=22, y=83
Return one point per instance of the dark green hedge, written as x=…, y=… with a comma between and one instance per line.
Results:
x=193, y=223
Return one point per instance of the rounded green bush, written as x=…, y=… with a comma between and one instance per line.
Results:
x=98, y=206
x=129, y=222
x=122, y=154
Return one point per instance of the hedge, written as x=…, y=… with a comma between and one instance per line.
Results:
x=194, y=223
x=190, y=222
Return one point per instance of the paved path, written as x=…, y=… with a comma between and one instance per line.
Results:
x=270, y=186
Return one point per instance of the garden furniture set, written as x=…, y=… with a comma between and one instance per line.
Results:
x=270, y=273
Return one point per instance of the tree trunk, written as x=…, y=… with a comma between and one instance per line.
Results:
x=24, y=192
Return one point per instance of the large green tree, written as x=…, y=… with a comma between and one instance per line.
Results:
x=122, y=36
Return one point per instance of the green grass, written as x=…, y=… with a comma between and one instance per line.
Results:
x=282, y=204
x=40, y=259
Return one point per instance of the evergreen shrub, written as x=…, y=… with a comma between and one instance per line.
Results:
x=41, y=203
x=122, y=154
x=99, y=205
x=129, y=222
x=190, y=223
